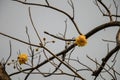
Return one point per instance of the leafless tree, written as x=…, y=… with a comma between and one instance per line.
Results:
x=64, y=57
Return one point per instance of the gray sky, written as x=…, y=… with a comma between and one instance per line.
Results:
x=14, y=18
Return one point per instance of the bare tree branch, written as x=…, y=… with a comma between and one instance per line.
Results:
x=10, y=53
x=64, y=57
x=58, y=37
x=34, y=26
x=108, y=11
x=56, y=9
x=103, y=26
x=104, y=61
x=19, y=40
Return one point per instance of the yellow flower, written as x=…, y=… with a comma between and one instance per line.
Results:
x=81, y=40
x=22, y=58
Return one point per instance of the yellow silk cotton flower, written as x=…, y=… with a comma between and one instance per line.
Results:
x=81, y=40
x=22, y=58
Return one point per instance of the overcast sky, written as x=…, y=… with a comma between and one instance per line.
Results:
x=14, y=17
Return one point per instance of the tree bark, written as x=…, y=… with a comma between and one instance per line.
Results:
x=3, y=73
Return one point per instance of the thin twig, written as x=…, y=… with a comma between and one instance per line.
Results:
x=96, y=3
x=109, y=41
x=115, y=56
x=58, y=73
x=47, y=2
x=32, y=52
x=19, y=40
x=65, y=29
x=102, y=77
x=34, y=25
x=104, y=61
x=57, y=67
x=70, y=54
x=108, y=11
x=72, y=6
x=98, y=69
x=28, y=75
x=114, y=74
x=56, y=9
x=116, y=8
x=58, y=37
x=113, y=15
x=10, y=53
x=64, y=63
x=77, y=60
x=63, y=56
